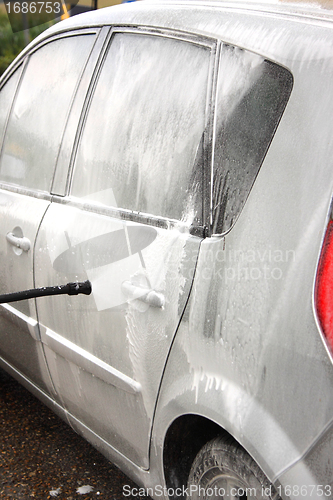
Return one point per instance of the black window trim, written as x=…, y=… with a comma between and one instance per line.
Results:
x=20, y=66
x=128, y=215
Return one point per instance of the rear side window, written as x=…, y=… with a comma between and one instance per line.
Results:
x=40, y=110
x=251, y=96
x=144, y=128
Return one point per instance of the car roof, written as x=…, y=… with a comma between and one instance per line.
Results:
x=219, y=19
x=148, y=12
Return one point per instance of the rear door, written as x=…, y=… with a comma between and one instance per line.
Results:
x=131, y=223
x=34, y=103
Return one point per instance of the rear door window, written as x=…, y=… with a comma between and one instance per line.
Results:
x=40, y=110
x=141, y=141
x=251, y=96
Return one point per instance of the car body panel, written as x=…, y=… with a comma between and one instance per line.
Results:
x=20, y=344
x=105, y=365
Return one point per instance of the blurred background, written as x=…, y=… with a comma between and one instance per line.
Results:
x=19, y=28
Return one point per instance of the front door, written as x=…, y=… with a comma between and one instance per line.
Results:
x=33, y=114
x=127, y=225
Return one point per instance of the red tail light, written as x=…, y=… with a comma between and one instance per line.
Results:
x=324, y=286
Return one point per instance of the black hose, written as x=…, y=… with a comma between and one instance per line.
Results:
x=69, y=289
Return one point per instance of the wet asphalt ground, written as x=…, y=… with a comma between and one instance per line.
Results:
x=42, y=458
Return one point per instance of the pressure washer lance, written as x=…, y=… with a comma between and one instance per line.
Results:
x=69, y=289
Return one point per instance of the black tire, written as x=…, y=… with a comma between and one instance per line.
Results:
x=224, y=470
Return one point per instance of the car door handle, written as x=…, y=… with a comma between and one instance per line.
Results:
x=146, y=295
x=20, y=242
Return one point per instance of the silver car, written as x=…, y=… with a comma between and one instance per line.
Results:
x=178, y=156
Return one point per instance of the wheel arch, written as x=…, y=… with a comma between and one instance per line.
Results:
x=186, y=435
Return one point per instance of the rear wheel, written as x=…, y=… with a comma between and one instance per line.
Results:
x=223, y=470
